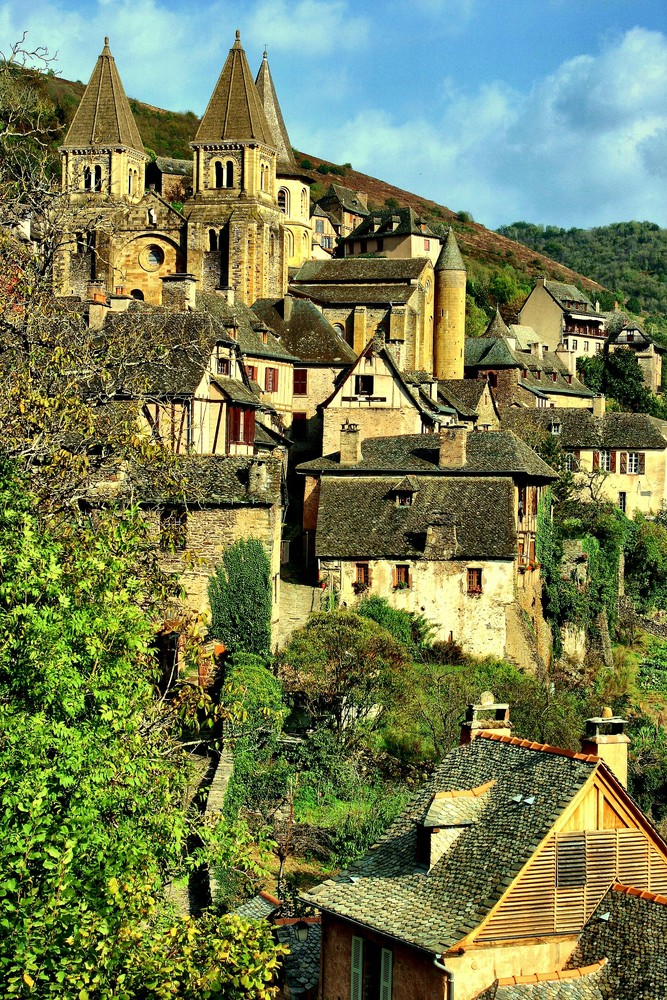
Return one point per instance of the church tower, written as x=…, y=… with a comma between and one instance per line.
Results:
x=235, y=228
x=103, y=156
x=450, y=311
x=293, y=185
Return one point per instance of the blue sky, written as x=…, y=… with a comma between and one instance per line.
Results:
x=550, y=111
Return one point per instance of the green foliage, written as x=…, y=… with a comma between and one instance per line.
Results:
x=391, y=203
x=251, y=687
x=306, y=164
x=476, y=319
x=240, y=597
x=646, y=562
x=617, y=374
x=408, y=627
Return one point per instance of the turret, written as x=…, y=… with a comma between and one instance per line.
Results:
x=450, y=311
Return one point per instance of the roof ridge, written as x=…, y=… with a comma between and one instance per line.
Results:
x=465, y=792
x=631, y=890
x=557, y=975
x=543, y=747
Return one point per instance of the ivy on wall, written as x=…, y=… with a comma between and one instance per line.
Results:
x=239, y=593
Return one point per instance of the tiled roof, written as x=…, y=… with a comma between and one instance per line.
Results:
x=207, y=479
x=391, y=222
x=235, y=112
x=362, y=294
x=488, y=352
x=249, y=326
x=308, y=335
x=352, y=270
x=497, y=327
x=274, y=116
x=463, y=394
x=259, y=907
x=447, y=519
x=489, y=453
x=580, y=429
x=180, y=168
x=563, y=293
x=302, y=965
x=345, y=197
x=450, y=258
x=103, y=117
x=586, y=983
x=387, y=891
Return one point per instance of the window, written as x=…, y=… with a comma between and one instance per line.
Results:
x=569, y=380
x=622, y=501
x=380, y=247
x=327, y=242
x=524, y=373
x=300, y=381
x=605, y=461
x=586, y=346
x=493, y=379
x=271, y=380
x=97, y=183
x=129, y=182
x=598, y=347
x=173, y=529
x=240, y=425
x=566, y=344
x=404, y=498
x=554, y=376
x=575, y=344
x=572, y=461
x=299, y=426
x=427, y=244
x=363, y=246
x=362, y=576
x=401, y=577
x=283, y=200
x=222, y=366
x=556, y=429
x=212, y=239
x=340, y=330
x=474, y=581
x=635, y=463
x=154, y=256
x=251, y=372
x=570, y=861
x=87, y=179
x=304, y=201
x=319, y=225
x=363, y=385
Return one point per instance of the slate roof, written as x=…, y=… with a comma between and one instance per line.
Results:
x=103, y=117
x=259, y=907
x=361, y=294
x=563, y=292
x=387, y=891
x=463, y=394
x=345, y=197
x=488, y=352
x=308, y=335
x=235, y=391
x=206, y=480
x=469, y=519
x=494, y=352
x=497, y=327
x=267, y=94
x=234, y=112
x=357, y=270
x=489, y=453
x=179, y=168
x=302, y=965
x=248, y=324
x=450, y=258
x=580, y=429
x=391, y=222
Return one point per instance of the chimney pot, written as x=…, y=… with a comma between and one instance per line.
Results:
x=487, y=716
x=350, y=444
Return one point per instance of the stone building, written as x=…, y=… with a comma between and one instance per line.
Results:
x=626, y=332
x=441, y=524
x=520, y=871
x=346, y=208
x=562, y=314
x=395, y=232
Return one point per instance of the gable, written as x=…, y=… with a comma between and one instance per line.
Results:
x=600, y=839
x=387, y=388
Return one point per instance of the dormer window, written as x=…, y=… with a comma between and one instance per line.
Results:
x=554, y=376
x=222, y=366
x=404, y=498
x=556, y=429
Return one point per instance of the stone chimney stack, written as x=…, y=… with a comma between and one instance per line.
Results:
x=453, y=446
x=288, y=301
x=568, y=358
x=537, y=349
x=97, y=305
x=178, y=292
x=605, y=737
x=350, y=444
x=488, y=716
x=599, y=405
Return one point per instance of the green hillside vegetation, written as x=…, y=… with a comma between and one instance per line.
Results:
x=629, y=258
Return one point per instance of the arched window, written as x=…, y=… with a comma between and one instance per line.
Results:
x=262, y=178
x=219, y=174
x=305, y=244
x=212, y=239
x=87, y=179
x=283, y=200
x=340, y=330
x=98, y=178
x=136, y=293
x=130, y=180
x=229, y=172
x=289, y=243
x=304, y=202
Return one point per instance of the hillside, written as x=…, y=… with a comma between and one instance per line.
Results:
x=628, y=257
x=501, y=270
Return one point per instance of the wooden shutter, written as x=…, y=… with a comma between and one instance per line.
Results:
x=612, y=461
x=395, y=576
x=642, y=463
x=633, y=858
x=386, y=963
x=577, y=459
x=249, y=426
x=596, y=460
x=624, y=463
x=357, y=969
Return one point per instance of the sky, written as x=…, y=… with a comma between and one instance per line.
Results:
x=546, y=111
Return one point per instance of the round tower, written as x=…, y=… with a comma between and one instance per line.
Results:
x=449, y=321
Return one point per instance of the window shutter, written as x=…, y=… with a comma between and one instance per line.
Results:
x=612, y=461
x=356, y=969
x=577, y=458
x=386, y=963
x=268, y=380
x=596, y=460
x=642, y=463
x=624, y=463
x=395, y=576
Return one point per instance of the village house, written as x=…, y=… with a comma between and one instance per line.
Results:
x=395, y=232
x=626, y=332
x=170, y=177
x=346, y=208
x=562, y=314
x=325, y=237
x=520, y=870
x=620, y=457
x=443, y=525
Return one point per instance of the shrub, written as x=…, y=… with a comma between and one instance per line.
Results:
x=240, y=597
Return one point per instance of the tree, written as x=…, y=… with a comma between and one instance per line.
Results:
x=347, y=669
x=240, y=597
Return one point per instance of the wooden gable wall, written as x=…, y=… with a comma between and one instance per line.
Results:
x=601, y=839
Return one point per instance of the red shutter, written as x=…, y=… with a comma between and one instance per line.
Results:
x=300, y=381
x=642, y=463
x=234, y=424
x=268, y=380
x=596, y=460
x=249, y=426
x=624, y=463
x=612, y=461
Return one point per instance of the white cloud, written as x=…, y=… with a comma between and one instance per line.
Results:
x=310, y=28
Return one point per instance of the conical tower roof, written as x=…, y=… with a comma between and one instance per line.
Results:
x=274, y=116
x=497, y=327
x=103, y=117
x=450, y=258
x=235, y=112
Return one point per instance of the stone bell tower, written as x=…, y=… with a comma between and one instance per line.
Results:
x=449, y=323
x=235, y=229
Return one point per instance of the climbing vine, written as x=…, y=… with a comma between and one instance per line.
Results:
x=239, y=593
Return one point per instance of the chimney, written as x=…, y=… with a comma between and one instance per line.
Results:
x=97, y=305
x=178, y=292
x=287, y=307
x=599, y=405
x=605, y=737
x=537, y=349
x=489, y=716
x=350, y=444
x=568, y=358
x=258, y=474
x=453, y=446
